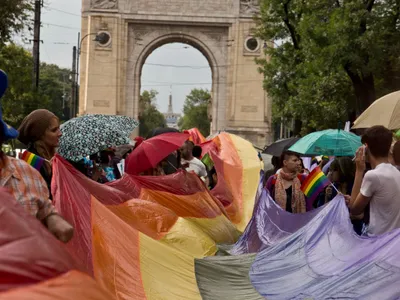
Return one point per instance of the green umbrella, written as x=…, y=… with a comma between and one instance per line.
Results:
x=331, y=142
x=90, y=134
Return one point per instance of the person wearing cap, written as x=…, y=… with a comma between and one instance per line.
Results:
x=26, y=184
x=40, y=132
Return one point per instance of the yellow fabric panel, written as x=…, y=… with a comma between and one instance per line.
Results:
x=187, y=237
x=167, y=274
x=251, y=177
x=220, y=229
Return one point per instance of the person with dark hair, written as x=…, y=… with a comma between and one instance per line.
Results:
x=379, y=187
x=191, y=163
x=302, y=168
x=275, y=162
x=197, y=151
x=284, y=187
x=212, y=178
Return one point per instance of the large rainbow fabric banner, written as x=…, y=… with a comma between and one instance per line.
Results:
x=156, y=238
x=315, y=255
x=138, y=237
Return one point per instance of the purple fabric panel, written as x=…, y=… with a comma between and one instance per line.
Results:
x=269, y=225
x=324, y=258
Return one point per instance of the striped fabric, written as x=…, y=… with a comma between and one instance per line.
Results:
x=139, y=237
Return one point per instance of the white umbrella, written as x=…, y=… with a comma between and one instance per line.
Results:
x=385, y=111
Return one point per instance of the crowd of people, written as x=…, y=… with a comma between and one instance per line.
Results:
x=369, y=182
x=40, y=132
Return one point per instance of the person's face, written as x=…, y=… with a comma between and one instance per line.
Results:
x=292, y=164
x=334, y=176
x=51, y=137
x=185, y=151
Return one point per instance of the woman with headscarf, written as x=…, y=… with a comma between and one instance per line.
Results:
x=40, y=132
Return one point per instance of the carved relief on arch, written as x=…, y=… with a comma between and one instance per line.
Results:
x=104, y=4
x=249, y=7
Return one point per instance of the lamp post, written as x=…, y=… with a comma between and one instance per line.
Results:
x=99, y=37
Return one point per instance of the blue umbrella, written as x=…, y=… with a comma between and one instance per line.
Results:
x=331, y=142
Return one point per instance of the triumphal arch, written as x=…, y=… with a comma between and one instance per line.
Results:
x=110, y=68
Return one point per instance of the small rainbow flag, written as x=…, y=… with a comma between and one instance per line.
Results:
x=207, y=161
x=32, y=159
x=315, y=182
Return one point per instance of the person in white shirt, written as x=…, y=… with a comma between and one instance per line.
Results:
x=380, y=186
x=191, y=163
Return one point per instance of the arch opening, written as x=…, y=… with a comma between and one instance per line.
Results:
x=171, y=69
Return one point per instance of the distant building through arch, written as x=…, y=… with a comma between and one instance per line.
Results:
x=221, y=30
x=171, y=118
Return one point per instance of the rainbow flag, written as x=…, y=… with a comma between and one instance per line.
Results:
x=314, y=184
x=207, y=161
x=32, y=159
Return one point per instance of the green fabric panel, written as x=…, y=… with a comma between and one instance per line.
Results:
x=226, y=277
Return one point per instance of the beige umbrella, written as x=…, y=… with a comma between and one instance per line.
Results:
x=384, y=111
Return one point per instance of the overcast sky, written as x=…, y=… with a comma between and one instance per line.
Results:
x=176, y=65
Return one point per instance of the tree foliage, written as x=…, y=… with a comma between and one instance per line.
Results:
x=14, y=15
x=149, y=116
x=195, y=111
x=334, y=57
x=20, y=99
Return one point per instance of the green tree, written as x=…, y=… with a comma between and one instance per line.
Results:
x=195, y=111
x=19, y=99
x=149, y=116
x=56, y=85
x=14, y=15
x=333, y=57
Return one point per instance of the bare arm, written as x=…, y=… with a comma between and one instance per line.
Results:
x=358, y=201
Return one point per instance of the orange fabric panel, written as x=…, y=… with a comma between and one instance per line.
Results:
x=199, y=205
x=73, y=285
x=195, y=136
x=233, y=175
x=148, y=217
x=116, y=255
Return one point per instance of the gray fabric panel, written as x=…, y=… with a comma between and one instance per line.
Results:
x=226, y=277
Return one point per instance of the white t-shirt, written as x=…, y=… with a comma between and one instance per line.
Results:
x=382, y=185
x=195, y=165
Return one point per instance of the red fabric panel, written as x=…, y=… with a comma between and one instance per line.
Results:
x=29, y=253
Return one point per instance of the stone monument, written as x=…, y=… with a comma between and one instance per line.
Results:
x=220, y=29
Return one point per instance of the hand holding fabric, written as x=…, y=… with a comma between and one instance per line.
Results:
x=60, y=228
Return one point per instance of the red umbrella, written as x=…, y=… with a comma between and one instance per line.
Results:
x=150, y=152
